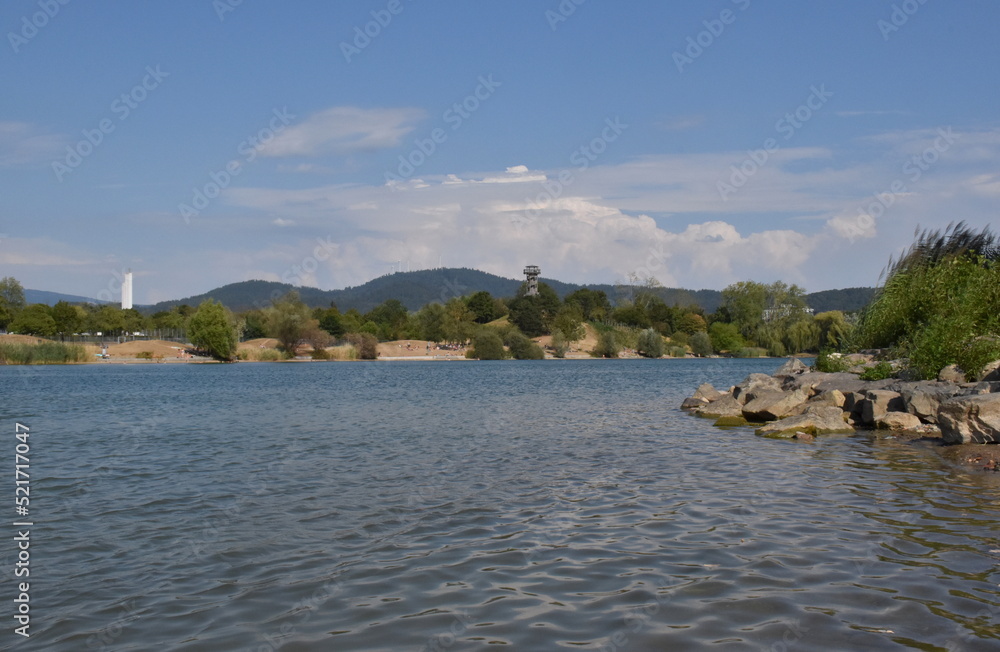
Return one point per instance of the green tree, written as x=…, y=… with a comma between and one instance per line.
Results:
x=560, y=345
x=34, y=320
x=69, y=319
x=631, y=314
x=725, y=337
x=802, y=335
x=108, y=320
x=650, y=344
x=692, y=323
x=569, y=321
x=11, y=300
x=330, y=321
x=287, y=321
x=701, y=344
x=484, y=307
x=487, y=345
x=390, y=318
x=212, y=329
x=593, y=304
x=834, y=329
x=522, y=348
x=533, y=315
x=430, y=322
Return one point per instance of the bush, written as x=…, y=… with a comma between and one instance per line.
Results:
x=750, y=352
x=650, y=344
x=701, y=344
x=560, y=347
x=677, y=351
x=879, y=371
x=365, y=344
x=320, y=354
x=144, y=355
x=521, y=348
x=831, y=362
x=213, y=329
x=607, y=346
x=260, y=355
x=487, y=345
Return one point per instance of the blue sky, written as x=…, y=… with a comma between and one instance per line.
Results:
x=201, y=143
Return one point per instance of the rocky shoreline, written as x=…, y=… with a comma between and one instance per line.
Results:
x=798, y=402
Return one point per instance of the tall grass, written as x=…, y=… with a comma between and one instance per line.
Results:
x=41, y=353
x=940, y=303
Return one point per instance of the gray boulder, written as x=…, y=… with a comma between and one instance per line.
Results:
x=704, y=395
x=771, y=406
x=817, y=382
x=727, y=406
x=970, y=419
x=793, y=367
x=991, y=372
x=897, y=421
x=879, y=401
x=923, y=399
x=755, y=384
x=821, y=420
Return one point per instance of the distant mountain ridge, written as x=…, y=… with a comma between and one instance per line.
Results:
x=52, y=298
x=417, y=289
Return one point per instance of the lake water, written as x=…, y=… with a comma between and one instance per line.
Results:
x=471, y=506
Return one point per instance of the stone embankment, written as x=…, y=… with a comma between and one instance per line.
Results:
x=798, y=402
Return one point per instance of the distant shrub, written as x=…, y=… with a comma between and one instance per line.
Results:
x=144, y=355
x=522, y=348
x=701, y=344
x=365, y=344
x=607, y=346
x=320, y=354
x=560, y=347
x=260, y=355
x=650, y=344
x=677, y=351
x=487, y=345
x=750, y=352
x=879, y=371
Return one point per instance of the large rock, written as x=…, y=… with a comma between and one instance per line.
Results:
x=727, y=406
x=821, y=420
x=970, y=419
x=755, y=384
x=879, y=401
x=952, y=374
x=817, y=382
x=771, y=406
x=793, y=367
x=704, y=395
x=897, y=421
x=991, y=372
x=923, y=399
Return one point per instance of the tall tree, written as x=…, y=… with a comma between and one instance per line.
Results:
x=287, y=321
x=212, y=328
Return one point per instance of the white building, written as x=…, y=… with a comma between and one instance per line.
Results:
x=127, y=291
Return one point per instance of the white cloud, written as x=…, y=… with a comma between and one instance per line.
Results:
x=24, y=144
x=343, y=129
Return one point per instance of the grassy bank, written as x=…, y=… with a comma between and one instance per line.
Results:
x=41, y=353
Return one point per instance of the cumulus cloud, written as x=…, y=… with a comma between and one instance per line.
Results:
x=343, y=130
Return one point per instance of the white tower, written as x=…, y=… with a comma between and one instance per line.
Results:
x=127, y=291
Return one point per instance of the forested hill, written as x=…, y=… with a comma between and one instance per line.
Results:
x=416, y=289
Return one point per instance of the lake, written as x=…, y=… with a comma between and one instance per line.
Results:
x=471, y=506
